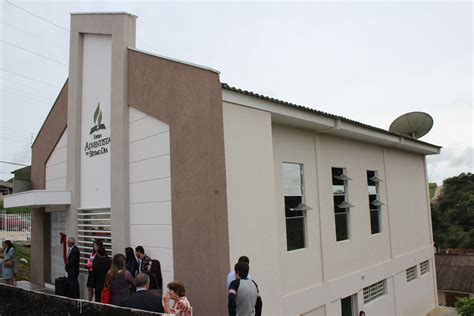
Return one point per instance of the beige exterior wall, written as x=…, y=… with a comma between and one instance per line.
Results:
x=250, y=199
x=314, y=279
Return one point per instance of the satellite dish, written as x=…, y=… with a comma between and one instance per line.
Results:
x=413, y=124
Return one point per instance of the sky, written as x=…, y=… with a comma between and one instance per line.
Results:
x=368, y=61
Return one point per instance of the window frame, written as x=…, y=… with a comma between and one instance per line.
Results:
x=374, y=291
x=303, y=215
x=345, y=195
x=411, y=273
x=425, y=267
x=378, y=208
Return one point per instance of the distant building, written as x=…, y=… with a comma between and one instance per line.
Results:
x=22, y=179
x=6, y=187
x=455, y=277
x=141, y=149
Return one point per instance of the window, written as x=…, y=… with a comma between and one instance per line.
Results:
x=93, y=224
x=411, y=274
x=295, y=209
x=341, y=203
x=374, y=201
x=425, y=267
x=374, y=291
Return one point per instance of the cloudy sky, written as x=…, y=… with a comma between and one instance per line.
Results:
x=368, y=61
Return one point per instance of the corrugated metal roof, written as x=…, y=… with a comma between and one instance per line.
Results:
x=455, y=272
x=314, y=111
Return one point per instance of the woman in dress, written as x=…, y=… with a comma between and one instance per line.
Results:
x=90, y=285
x=9, y=263
x=99, y=271
x=119, y=280
x=181, y=306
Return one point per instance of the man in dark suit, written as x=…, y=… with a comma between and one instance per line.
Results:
x=142, y=298
x=72, y=268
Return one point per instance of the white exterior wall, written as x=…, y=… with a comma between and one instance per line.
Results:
x=56, y=166
x=150, y=189
x=250, y=199
x=314, y=279
x=56, y=175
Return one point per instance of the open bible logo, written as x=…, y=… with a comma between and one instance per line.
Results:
x=97, y=120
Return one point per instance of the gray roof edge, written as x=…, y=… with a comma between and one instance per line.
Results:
x=225, y=86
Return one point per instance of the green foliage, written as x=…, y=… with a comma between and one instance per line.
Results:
x=15, y=209
x=465, y=306
x=23, y=268
x=432, y=186
x=453, y=215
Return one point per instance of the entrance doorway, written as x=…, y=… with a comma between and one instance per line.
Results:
x=58, y=225
x=349, y=306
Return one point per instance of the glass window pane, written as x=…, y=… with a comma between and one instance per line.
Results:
x=370, y=174
x=375, y=221
x=337, y=172
x=292, y=179
x=291, y=202
x=372, y=189
x=295, y=233
x=342, y=231
x=338, y=189
x=337, y=201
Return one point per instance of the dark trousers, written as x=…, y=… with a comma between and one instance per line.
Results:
x=73, y=286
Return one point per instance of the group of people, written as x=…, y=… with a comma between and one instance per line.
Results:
x=133, y=280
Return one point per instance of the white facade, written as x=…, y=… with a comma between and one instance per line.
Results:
x=314, y=279
x=150, y=189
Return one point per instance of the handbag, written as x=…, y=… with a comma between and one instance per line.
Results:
x=9, y=263
x=105, y=295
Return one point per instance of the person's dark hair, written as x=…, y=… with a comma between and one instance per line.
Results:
x=129, y=255
x=156, y=271
x=244, y=259
x=9, y=245
x=361, y=313
x=142, y=279
x=242, y=269
x=118, y=263
x=177, y=287
x=140, y=249
x=101, y=251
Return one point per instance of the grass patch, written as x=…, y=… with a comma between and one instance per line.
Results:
x=24, y=272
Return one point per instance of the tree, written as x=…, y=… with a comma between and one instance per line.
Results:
x=453, y=214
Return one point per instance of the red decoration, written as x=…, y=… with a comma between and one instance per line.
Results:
x=63, y=241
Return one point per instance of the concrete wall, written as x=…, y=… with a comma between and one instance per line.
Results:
x=150, y=189
x=252, y=214
x=56, y=172
x=17, y=301
x=316, y=278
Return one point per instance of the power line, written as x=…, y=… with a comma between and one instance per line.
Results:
x=29, y=93
x=20, y=75
x=15, y=140
x=18, y=130
x=22, y=84
x=13, y=163
x=37, y=100
x=20, y=137
x=37, y=16
x=34, y=53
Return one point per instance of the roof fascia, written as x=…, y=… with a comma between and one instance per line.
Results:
x=321, y=124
